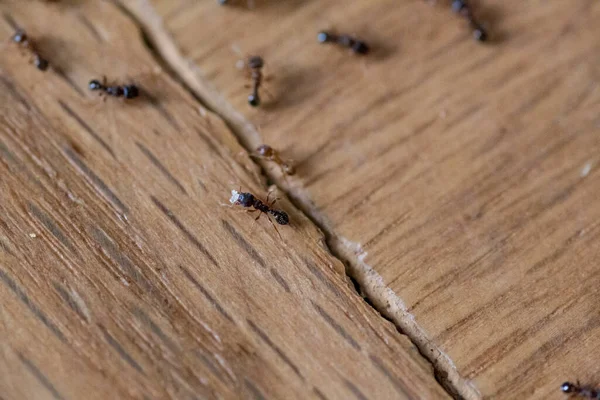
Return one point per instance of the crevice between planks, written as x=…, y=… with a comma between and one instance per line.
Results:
x=369, y=283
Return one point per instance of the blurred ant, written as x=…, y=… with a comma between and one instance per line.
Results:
x=125, y=91
x=357, y=46
x=248, y=200
x=20, y=37
x=224, y=2
x=266, y=152
x=576, y=390
x=461, y=7
x=255, y=64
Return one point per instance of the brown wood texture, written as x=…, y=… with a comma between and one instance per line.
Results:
x=460, y=180
x=122, y=276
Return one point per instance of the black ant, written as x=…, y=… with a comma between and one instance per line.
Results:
x=461, y=7
x=357, y=46
x=255, y=64
x=20, y=37
x=224, y=2
x=575, y=389
x=248, y=200
x=268, y=153
x=125, y=91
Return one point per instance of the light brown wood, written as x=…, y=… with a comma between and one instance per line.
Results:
x=122, y=276
x=459, y=179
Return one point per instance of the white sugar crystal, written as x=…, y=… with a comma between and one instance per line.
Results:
x=234, y=196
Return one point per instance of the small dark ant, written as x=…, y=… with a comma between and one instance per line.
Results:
x=248, y=200
x=461, y=7
x=268, y=153
x=357, y=46
x=20, y=37
x=225, y=2
x=125, y=91
x=576, y=390
x=255, y=64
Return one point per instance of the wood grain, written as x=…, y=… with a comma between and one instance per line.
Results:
x=122, y=276
x=459, y=179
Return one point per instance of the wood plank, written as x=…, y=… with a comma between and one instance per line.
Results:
x=122, y=276
x=459, y=179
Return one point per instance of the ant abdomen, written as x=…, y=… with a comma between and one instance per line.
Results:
x=254, y=100
x=281, y=217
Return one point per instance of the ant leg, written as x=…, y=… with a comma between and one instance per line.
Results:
x=274, y=201
x=276, y=230
x=255, y=219
x=269, y=94
x=237, y=208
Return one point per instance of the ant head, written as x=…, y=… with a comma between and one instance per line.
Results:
x=254, y=100
x=20, y=36
x=95, y=84
x=281, y=218
x=568, y=387
x=264, y=150
x=241, y=199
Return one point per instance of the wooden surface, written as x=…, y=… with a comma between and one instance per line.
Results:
x=121, y=274
x=458, y=179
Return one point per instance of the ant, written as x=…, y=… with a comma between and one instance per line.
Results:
x=461, y=7
x=575, y=389
x=255, y=64
x=225, y=2
x=125, y=91
x=268, y=153
x=357, y=46
x=20, y=37
x=248, y=200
